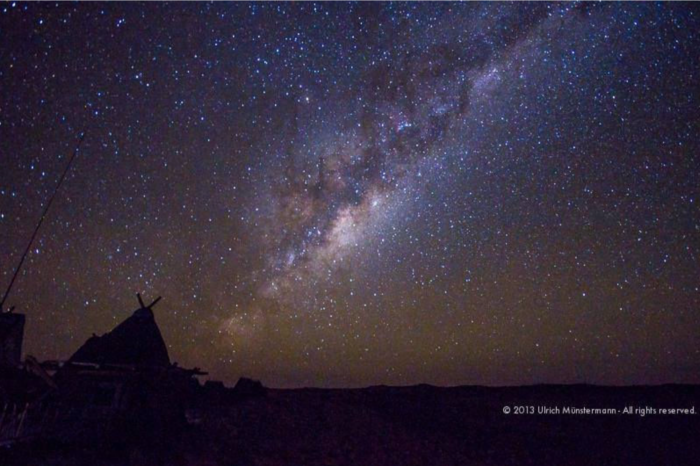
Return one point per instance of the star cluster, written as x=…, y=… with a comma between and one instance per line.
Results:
x=348, y=194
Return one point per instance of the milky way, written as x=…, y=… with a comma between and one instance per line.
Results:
x=353, y=194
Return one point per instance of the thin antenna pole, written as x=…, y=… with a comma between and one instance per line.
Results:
x=41, y=220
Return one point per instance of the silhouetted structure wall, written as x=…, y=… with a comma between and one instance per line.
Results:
x=11, y=336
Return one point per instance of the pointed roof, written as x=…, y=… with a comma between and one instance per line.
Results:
x=136, y=341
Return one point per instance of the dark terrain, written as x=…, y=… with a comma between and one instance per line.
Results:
x=418, y=425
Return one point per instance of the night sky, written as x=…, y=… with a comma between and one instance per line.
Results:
x=357, y=194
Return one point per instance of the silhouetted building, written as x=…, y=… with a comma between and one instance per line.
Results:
x=124, y=382
x=120, y=385
x=11, y=336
